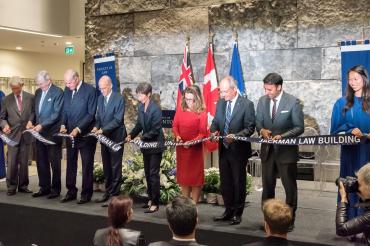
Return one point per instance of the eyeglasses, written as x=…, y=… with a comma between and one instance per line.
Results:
x=189, y=100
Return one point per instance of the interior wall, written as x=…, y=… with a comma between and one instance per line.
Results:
x=27, y=64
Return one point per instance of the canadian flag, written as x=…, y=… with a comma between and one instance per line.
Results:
x=210, y=93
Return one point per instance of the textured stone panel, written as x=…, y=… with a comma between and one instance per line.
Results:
x=292, y=64
x=193, y=3
x=331, y=63
x=165, y=69
x=323, y=23
x=222, y=63
x=259, y=24
x=108, y=7
x=92, y=8
x=134, y=69
x=318, y=107
x=164, y=32
x=105, y=34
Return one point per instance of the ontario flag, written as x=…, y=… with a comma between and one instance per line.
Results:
x=186, y=76
x=210, y=94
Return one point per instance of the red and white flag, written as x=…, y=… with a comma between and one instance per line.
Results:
x=186, y=76
x=210, y=93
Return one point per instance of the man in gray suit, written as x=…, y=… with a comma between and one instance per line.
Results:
x=48, y=111
x=17, y=114
x=279, y=115
x=109, y=121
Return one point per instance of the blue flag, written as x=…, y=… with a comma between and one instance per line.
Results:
x=236, y=70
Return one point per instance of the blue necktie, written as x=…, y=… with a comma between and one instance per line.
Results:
x=42, y=100
x=227, y=123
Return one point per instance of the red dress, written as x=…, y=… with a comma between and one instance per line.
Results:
x=190, y=161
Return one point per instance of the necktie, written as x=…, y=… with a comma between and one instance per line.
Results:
x=19, y=100
x=273, y=113
x=42, y=100
x=227, y=123
x=73, y=93
x=105, y=101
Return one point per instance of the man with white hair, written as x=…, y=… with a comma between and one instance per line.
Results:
x=17, y=114
x=48, y=109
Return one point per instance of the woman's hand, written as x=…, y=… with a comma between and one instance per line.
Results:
x=128, y=139
x=178, y=139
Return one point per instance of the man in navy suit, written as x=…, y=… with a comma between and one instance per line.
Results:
x=109, y=121
x=48, y=111
x=78, y=119
x=234, y=117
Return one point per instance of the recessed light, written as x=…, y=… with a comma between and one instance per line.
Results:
x=30, y=32
x=18, y=48
x=68, y=43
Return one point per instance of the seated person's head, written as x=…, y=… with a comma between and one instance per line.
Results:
x=278, y=216
x=120, y=211
x=182, y=216
x=363, y=176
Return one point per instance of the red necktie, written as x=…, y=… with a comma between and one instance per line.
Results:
x=19, y=99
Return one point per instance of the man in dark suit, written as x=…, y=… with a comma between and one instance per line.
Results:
x=17, y=114
x=48, y=111
x=78, y=119
x=279, y=115
x=277, y=220
x=182, y=217
x=109, y=121
x=234, y=117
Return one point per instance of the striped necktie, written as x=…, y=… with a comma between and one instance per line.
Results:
x=273, y=113
x=227, y=123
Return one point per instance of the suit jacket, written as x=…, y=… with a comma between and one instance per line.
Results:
x=242, y=124
x=150, y=123
x=276, y=241
x=110, y=118
x=51, y=111
x=288, y=123
x=80, y=112
x=129, y=237
x=17, y=120
x=174, y=242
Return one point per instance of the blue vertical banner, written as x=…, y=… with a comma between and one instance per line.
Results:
x=353, y=54
x=236, y=70
x=105, y=65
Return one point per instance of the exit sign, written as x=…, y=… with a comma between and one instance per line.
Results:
x=70, y=50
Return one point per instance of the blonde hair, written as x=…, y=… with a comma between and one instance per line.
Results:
x=278, y=216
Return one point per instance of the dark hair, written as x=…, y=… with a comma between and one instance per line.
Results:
x=182, y=216
x=350, y=94
x=278, y=216
x=273, y=79
x=144, y=88
x=118, y=214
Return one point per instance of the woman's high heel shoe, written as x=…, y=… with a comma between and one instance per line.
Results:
x=149, y=210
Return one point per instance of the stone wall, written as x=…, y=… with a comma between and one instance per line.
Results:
x=296, y=38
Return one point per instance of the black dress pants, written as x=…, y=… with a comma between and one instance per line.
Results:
x=112, y=166
x=152, y=164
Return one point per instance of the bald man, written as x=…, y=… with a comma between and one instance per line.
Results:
x=78, y=119
x=109, y=122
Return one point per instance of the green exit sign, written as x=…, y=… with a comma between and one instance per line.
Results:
x=70, y=50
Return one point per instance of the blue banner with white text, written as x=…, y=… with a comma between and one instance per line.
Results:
x=105, y=66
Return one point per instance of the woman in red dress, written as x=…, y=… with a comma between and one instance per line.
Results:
x=190, y=123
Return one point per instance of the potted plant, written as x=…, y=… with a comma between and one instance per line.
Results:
x=98, y=176
x=211, y=184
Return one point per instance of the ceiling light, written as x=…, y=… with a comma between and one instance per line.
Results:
x=30, y=32
x=18, y=48
x=68, y=43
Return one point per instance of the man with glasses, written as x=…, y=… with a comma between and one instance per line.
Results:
x=234, y=117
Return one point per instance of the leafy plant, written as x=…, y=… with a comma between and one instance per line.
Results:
x=98, y=173
x=211, y=180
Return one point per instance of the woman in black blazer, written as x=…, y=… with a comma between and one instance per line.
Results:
x=149, y=122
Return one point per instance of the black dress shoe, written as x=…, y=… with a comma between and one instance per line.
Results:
x=235, y=220
x=68, y=198
x=24, y=190
x=104, y=198
x=224, y=217
x=11, y=192
x=83, y=200
x=40, y=193
x=53, y=195
x=149, y=210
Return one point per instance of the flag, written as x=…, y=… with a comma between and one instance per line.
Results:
x=186, y=76
x=236, y=70
x=210, y=93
